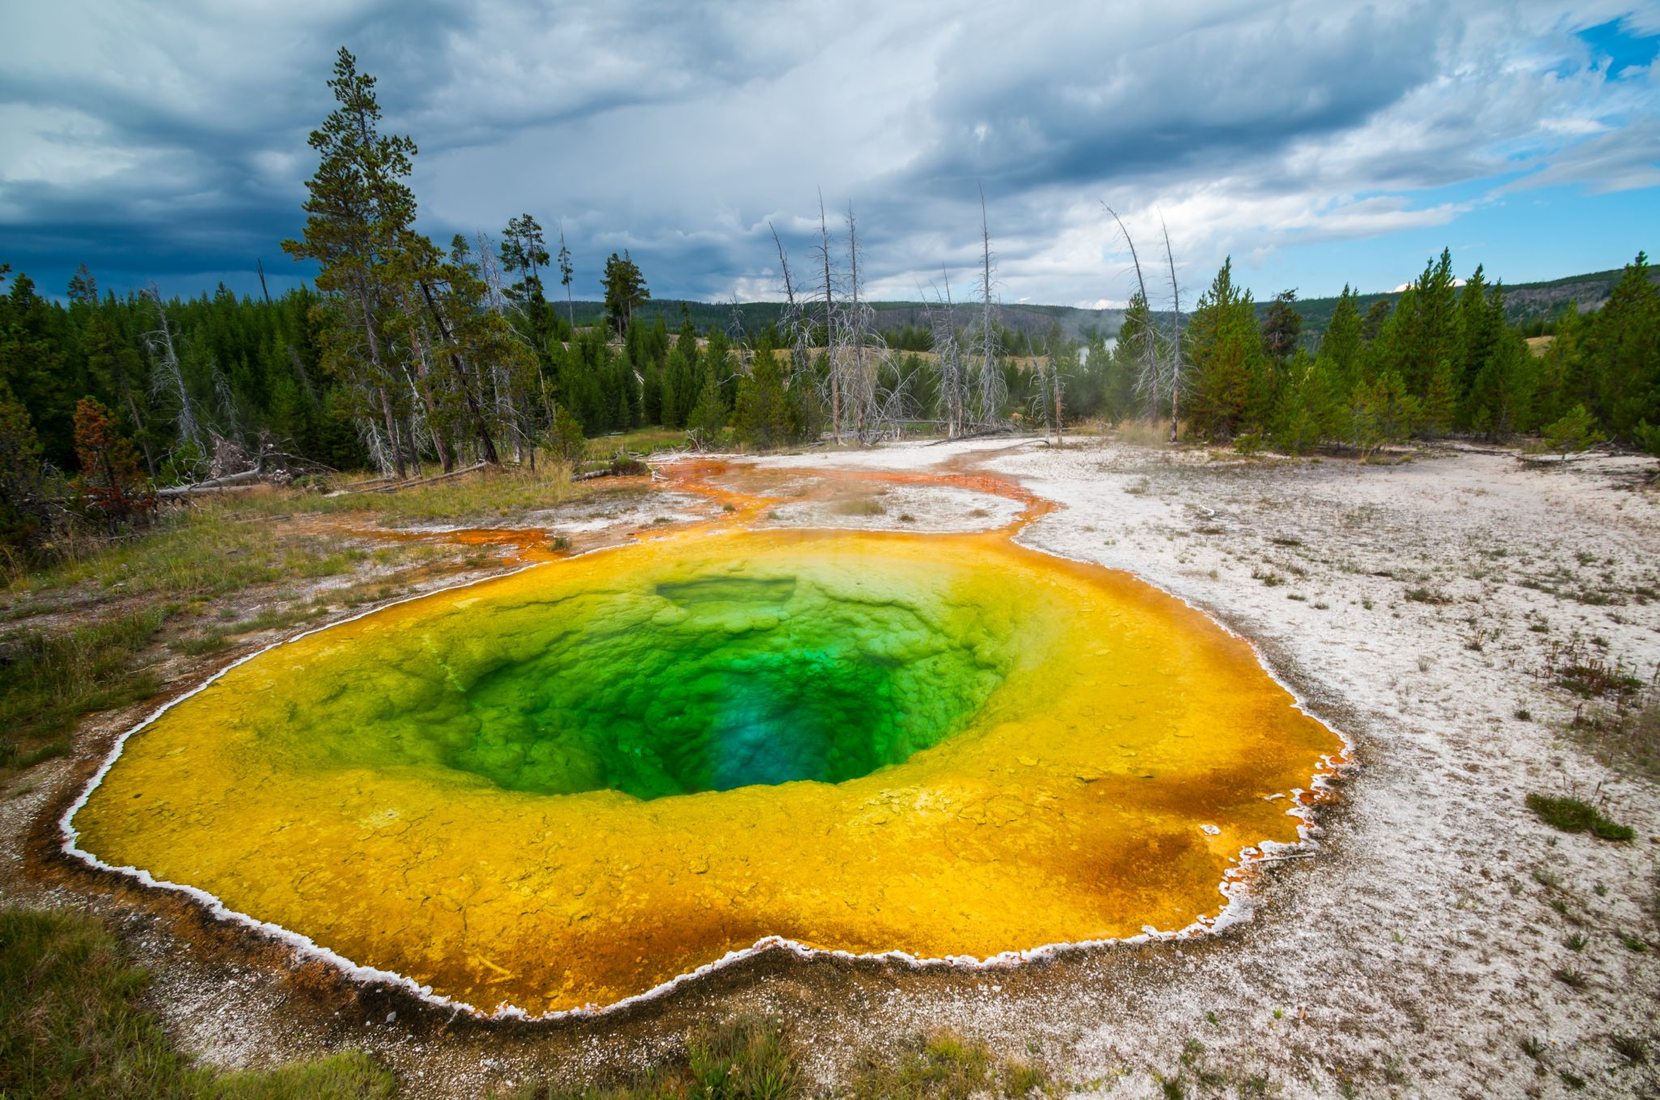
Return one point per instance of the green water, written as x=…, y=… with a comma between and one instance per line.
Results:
x=721, y=682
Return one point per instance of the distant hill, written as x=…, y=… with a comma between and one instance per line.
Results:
x=1523, y=302
x=1033, y=320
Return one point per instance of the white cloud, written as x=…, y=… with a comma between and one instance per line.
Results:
x=681, y=133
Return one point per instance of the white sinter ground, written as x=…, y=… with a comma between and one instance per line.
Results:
x=1416, y=952
x=1413, y=606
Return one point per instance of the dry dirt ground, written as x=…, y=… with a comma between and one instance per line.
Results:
x=1437, y=930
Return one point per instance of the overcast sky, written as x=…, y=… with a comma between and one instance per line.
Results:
x=1318, y=143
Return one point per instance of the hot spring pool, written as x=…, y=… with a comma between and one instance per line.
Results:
x=568, y=786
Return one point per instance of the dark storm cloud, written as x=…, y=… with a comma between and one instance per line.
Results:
x=1050, y=103
x=166, y=140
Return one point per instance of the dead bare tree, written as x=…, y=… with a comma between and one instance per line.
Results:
x=169, y=377
x=489, y=272
x=1148, y=382
x=1048, y=396
x=948, y=356
x=993, y=392
x=794, y=321
x=862, y=365
x=1176, y=321
x=829, y=325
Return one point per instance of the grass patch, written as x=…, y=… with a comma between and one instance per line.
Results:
x=1571, y=977
x=753, y=1058
x=1624, y=736
x=48, y=681
x=746, y=1058
x=70, y=1026
x=645, y=441
x=1573, y=815
x=1570, y=664
x=1428, y=595
x=1630, y=1047
x=945, y=1066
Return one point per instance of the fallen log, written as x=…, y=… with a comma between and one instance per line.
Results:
x=396, y=485
x=247, y=479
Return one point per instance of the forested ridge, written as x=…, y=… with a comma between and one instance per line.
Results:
x=406, y=353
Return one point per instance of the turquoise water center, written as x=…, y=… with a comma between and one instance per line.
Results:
x=714, y=682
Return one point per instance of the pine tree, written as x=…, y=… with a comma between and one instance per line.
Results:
x=1341, y=345
x=1429, y=330
x=359, y=218
x=764, y=416
x=625, y=291
x=708, y=416
x=1282, y=326
x=1623, y=353
x=566, y=274
x=524, y=253
x=1230, y=378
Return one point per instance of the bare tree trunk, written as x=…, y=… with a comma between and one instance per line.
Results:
x=1176, y=315
x=858, y=373
x=418, y=351
x=992, y=391
x=1149, y=382
x=160, y=343
x=395, y=452
x=866, y=415
x=373, y=338
x=487, y=446
x=829, y=326
x=507, y=415
x=951, y=366
x=1055, y=381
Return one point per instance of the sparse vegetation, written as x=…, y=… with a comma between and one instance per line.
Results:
x=1624, y=734
x=945, y=1066
x=70, y=1025
x=753, y=1058
x=48, y=679
x=1630, y=1047
x=1570, y=665
x=1571, y=977
x=1573, y=815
